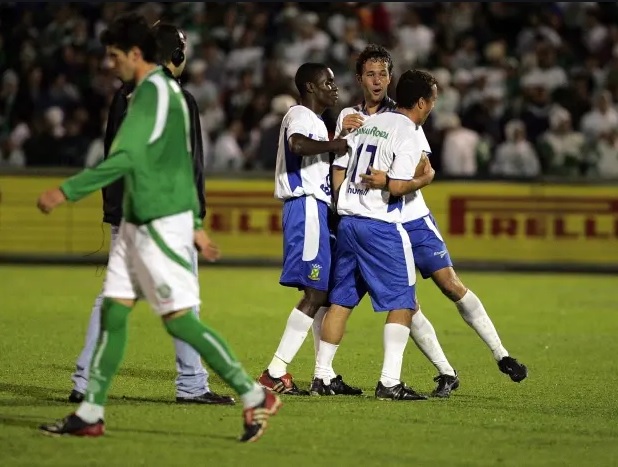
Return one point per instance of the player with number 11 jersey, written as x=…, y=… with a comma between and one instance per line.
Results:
x=370, y=235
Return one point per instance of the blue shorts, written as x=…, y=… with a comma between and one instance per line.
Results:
x=376, y=257
x=306, y=244
x=430, y=252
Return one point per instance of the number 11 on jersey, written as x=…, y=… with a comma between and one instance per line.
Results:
x=365, y=155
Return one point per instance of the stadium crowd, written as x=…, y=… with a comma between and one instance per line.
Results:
x=526, y=89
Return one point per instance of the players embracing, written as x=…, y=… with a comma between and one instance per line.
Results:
x=374, y=72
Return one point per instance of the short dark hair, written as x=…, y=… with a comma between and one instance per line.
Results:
x=131, y=30
x=169, y=38
x=413, y=85
x=376, y=53
x=307, y=73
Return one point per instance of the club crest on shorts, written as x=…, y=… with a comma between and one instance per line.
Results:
x=314, y=275
x=164, y=291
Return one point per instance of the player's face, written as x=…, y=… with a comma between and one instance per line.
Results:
x=375, y=80
x=325, y=88
x=426, y=106
x=122, y=64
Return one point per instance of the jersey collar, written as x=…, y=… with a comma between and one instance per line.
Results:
x=386, y=104
x=416, y=127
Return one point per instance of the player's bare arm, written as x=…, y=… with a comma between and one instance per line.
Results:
x=303, y=146
x=404, y=187
x=50, y=199
x=350, y=123
x=338, y=176
x=423, y=176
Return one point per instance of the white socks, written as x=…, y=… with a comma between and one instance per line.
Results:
x=324, y=362
x=317, y=327
x=395, y=340
x=90, y=413
x=473, y=312
x=293, y=337
x=424, y=336
x=254, y=397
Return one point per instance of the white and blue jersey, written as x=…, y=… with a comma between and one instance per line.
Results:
x=296, y=175
x=430, y=252
x=303, y=184
x=374, y=253
x=386, y=105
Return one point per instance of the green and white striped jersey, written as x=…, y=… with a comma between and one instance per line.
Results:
x=152, y=152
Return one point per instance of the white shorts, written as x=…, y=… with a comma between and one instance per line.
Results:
x=154, y=261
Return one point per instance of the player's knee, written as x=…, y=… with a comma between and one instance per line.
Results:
x=114, y=314
x=402, y=317
x=450, y=284
x=174, y=314
x=312, y=301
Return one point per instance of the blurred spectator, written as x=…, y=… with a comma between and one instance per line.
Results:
x=41, y=148
x=265, y=154
x=415, y=38
x=515, y=157
x=204, y=91
x=494, y=61
x=561, y=149
x=535, y=106
x=448, y=103
x=459, y=148
x=8, y=100
x=73, y=145
x=605, y=151
x=601, y=119
x=546, y=70
x=227, y=153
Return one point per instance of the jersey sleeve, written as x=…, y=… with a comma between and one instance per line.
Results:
x=343, y=160
x=300, y=121
x=93, y=179
x=424, y=144
x=406, y=156
x=139, y=128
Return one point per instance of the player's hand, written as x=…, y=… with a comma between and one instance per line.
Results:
x=375, y=179
x=427, y=175
x=206, y=246
x=50, y=199
x=352, y=121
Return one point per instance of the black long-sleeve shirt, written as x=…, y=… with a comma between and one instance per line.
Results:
x=112, y=194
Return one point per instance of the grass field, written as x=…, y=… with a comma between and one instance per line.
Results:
x=563, y=327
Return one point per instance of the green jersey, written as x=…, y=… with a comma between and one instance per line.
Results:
x=152, y=151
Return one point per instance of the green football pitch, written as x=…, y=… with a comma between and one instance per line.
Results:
x=564, y=327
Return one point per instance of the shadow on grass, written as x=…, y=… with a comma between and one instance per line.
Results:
x=32, y=421
x=47, y=396
x=132, y=372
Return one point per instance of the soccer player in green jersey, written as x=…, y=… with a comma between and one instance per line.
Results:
x=160, y=225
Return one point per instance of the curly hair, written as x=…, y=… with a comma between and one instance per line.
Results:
x=376, y=53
